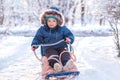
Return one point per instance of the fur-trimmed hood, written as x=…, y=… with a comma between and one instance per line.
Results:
x=50, y=12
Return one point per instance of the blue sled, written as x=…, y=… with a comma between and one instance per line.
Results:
x=62, y=74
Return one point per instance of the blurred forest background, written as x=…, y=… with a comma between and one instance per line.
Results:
x=26, y=12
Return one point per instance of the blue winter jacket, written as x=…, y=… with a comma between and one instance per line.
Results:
x=46, y=35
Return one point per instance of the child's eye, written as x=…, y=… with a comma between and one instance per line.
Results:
x=49, y=21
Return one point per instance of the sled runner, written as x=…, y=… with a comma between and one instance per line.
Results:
x=62, y=75
x=59, y=75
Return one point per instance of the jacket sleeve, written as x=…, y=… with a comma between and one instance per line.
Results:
x=69, y=34
x=38, y=38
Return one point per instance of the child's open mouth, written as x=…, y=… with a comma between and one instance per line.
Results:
x=51, y=25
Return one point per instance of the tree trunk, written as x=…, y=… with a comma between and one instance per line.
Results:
x=1, y=12
x=115, y=29
x=100, y=22
x=1, y=19
x=119, y=54
x=82, y=11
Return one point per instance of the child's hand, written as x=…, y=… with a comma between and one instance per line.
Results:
x=67, y=40
x=34, y=48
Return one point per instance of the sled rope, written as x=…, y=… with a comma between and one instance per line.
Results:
x=71, y=52
x=50, y=44
x=46, y=45
x=37, y=56
x=73, y=57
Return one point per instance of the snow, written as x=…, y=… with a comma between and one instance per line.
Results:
x=17, y=61
x=24, y=30
x=94, y=46
x=96, y=59
x=94, y=27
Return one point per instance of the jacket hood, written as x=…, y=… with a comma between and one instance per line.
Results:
x=52, y=12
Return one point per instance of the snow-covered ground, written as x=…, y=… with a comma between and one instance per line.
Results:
x=17, y=61
x=96, y=59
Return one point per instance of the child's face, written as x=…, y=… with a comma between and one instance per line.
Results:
x=52, y=23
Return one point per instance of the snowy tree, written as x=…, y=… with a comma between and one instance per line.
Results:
x=113, y=11
x=70, y=9
x=95, y=9
x=110, y=11
x=26, y=12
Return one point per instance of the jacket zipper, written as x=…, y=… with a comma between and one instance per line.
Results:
x=50, y=31
x=56, y=35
